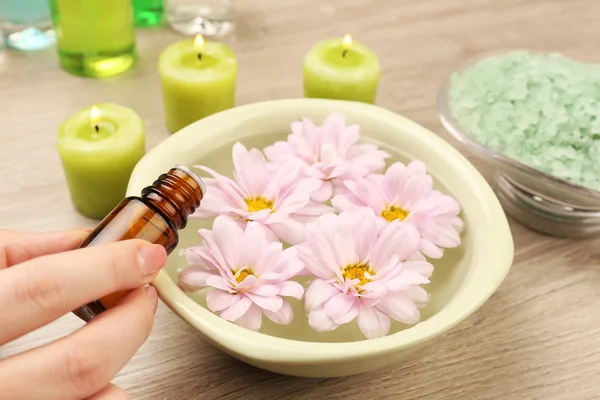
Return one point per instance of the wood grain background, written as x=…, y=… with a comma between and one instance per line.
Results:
x=538, y=337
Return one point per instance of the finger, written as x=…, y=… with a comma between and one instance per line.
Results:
x=47, y=287
x=17, y=247
x=111, y=392
x=83, y=363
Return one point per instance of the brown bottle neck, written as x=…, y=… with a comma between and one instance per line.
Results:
x=176, y=195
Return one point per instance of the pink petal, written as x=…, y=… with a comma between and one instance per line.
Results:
x=290, y=231
x=251, y=169
x=400, y=307
x=228, y=236
x=218, y=300
x=283, y=316
x=277, y=150
x=191, y=280
x=269, y=258
x=364, y=232
x=314, y=172
x=314, y=209
x=398, y=239
x=374, y=289
x=214, y=203
x=218, y=283
x=373, y=323
x=315, y=265
x=415, y=256
x=266, y=290
x=290, y=269
x=339, y=305
x=447, y=237
x=231, y=189
x=343, y=203
x=406, y=186
x=430, y=249
x=272, y=303
x=291, y=289
x=237, y=310
x=293, y=202
x=252, y=319
x=300, y=188
x=259, y=216
x=405, y=280
x=283, y=177
x=317, y=293
x=320, y=322
x=194, y=277
x=369, y=193
x=323, y=193
x=289, y=264
x=421, y=267
x=248, y=282
x=200, y=257
x=253, y=244
x=368, y=157
x=419, y=295
x=211, y=251
x=348, y=139
x=349, y=315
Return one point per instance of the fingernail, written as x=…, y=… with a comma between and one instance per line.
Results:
x=153, y=296
x=151, y=259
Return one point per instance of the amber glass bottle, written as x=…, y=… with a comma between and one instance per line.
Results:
x=155, y=217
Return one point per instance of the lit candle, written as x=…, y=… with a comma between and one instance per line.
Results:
x=198, y=79
x=341, y=69
x=98, y=148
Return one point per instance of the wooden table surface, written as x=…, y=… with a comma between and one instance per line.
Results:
x=538, y=337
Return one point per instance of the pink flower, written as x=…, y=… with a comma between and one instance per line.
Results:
x=361, y=274
x=328, y=153
x=405, y=194
x=278, y=198
x=250, y=273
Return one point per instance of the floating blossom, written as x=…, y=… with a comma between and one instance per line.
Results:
x=279, y=199
x=405, y=194
x=361, y=274
x=250, y=273
x=328, y=153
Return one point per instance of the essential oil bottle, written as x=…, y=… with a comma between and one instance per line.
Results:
x=156, y=217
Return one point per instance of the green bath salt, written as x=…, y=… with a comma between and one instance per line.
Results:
x=540, y=109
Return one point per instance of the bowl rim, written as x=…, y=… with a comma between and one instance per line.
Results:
x=250, y=345
x=452, y=126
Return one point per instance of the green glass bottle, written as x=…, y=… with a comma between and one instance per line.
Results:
x=147, y=13
x=95, y=38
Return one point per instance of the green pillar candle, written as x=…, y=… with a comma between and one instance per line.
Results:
x=95, y=38
x=99, y=147
x=341, y=69
x=198, y=79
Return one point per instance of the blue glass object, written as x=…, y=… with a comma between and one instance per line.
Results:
x=26, y=24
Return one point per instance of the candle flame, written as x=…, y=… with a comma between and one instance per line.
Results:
x=94, y=116
x=199, y=42
x=347, y=42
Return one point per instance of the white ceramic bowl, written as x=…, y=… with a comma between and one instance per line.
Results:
x=462, y=282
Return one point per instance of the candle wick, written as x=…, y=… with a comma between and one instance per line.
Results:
x=97, y=128
x=200, y=56
x=344, y=53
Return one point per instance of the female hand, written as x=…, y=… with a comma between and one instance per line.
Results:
x=42, y=278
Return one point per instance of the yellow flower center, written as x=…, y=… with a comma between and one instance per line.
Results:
x=241, y=275
x=258, y=203
x=393, y=213
x=357, y=271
